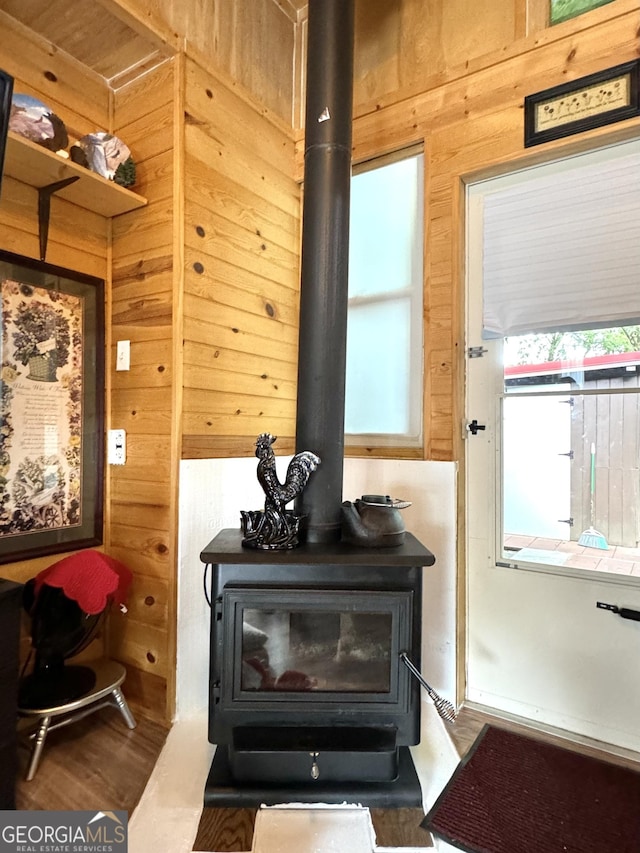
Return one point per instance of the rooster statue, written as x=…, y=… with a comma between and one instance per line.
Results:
x=276, y=528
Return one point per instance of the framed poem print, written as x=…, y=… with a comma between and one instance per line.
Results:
x=6, y=91
x=51, y=409
x=601, y=98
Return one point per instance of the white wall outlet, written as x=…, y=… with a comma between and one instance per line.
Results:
x=123, y=355
x=117, y=447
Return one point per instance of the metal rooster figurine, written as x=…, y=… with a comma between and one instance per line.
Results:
x=276, y=528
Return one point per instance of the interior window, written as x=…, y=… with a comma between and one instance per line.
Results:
x=383, y=403
x=563, y=10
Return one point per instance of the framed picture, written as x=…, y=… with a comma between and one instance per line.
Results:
x=6, y=91
x=601, y=98
x=51, y=409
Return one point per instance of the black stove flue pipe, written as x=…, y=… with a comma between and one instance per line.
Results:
x=325, y=260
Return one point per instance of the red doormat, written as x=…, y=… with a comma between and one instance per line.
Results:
x=514, y=794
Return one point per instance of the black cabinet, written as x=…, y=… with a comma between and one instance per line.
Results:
x=10, y=607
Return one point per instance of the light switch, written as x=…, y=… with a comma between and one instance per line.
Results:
x=123, y=358
x=117, y=447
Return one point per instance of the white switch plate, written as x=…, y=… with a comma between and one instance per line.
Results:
x=117, y=447
x=123, y=355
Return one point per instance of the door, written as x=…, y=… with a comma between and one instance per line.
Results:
x=537, y=644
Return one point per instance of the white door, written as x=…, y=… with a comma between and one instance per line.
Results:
x=537, y=646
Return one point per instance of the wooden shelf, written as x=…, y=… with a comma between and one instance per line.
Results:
x=37, y=166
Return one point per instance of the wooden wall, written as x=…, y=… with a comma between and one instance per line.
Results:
x=400, y=46
x=470, y=120
x=253, y=42
x=216, y=249
x=205, y=278
x=78, y=239
x=204, y=285
x=139, y=248
x=144, y=401
x=242, y=213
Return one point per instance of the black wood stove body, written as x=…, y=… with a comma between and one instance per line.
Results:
x=309, y=700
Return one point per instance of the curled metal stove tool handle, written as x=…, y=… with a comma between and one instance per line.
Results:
x=444, y=708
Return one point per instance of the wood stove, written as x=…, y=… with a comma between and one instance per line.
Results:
x=309, y=699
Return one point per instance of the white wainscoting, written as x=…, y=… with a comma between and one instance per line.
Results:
x=212, y=493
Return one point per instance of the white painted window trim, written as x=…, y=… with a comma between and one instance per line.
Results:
x=414, y=291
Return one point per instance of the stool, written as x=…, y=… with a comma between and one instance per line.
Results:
x=106, y=692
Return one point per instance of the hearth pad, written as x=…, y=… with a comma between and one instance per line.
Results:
x=222, y=790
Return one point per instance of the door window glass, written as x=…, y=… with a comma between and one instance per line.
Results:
x=571, y=449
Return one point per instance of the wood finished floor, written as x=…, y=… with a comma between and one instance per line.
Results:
x=228, y=830
x=98, y=763
x=95, y=763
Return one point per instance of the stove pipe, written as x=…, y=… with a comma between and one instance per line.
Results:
x=325, y=261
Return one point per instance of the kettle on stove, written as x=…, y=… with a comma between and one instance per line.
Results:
x=373, y=521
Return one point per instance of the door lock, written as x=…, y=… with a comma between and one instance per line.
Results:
x=474, y=426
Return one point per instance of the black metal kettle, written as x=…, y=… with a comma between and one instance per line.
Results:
x=373, y=521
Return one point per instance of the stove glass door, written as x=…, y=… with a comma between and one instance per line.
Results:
x=342, y=643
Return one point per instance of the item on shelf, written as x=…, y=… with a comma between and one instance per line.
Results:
x=107, y=155
x=36, y=121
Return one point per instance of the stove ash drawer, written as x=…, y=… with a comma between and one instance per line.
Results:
x=309, y=754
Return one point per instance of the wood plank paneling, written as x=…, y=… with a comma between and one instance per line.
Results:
x=204, y=446
x=257, y=212
x=147, y=551
x=97, y=39
x=227, y=117
x=230, y=285
x=253, y=43
x=78, y=239
x=245, y=249
x=205, y=278
x=241, y=161
x=212, y=377
x=79, y=97
x=242, y=209
x=242, y=339
x=472, y=123
x=140, y=645
x=143, y=492
x=245, y=425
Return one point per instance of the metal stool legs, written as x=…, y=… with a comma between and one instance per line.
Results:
x=38, y=743
x=105, y=693
x=121, y=702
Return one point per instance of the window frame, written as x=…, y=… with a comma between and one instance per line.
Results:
x=401, y=445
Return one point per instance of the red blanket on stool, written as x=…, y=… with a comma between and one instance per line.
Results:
x=88, y=578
